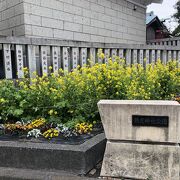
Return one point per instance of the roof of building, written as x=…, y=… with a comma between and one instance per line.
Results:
x=157, y=1
x=154, y=1
x=150, y=17
x=153, y=20
x=144, y=2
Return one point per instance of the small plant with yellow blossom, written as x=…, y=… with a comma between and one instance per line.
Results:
x=51, y=133
x=70, y=98
x=83, y=128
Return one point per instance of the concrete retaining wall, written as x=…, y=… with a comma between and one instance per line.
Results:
x=78, y=159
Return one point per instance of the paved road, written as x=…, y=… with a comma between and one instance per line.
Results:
x=26, y=174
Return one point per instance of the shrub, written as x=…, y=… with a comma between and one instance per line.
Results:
x=71, y=98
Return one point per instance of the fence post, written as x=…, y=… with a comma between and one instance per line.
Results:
x=19, y=61
x=66, y=59
x=141, y=57
x=121, y=53
x=75, y=57
x=135, y=56
x=169, y=55
x=179, y=58
x=147, y=57
x=153, y=56
x=174, y=42
x=164, y=57
x=92, y=56
x=7, y=61
x=158, y=57
x=32, y=60
x=55, y=60
x=83, y=57
x=44, y=62
x=100, y=60
x=113, y=54
x=178, y=42
x=174, y=55
x=107, y=55
x=128, y=56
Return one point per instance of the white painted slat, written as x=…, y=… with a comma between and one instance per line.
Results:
x=100, y=60
x=32, y=60
x=153, y=56
x=164, y=57
x=83, y=57
x=178, y=59
x=44, y=62
x=107, y=55
x=92, y=56
x=113, y=54
x=121, y=53
x=75, y=57
x=168, y=43
x=141, y=57
x=19, y=61
x=7, y=61
x=174, y=55
x=147, y=56
x=128, y=56
x=135, y=56
x=66, y=59
x=178, y=42
x=55, y=61
x=169, y=55
x=158, y=57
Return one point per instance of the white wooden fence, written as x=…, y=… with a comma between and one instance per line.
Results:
x=175, y=41
x=39, y=54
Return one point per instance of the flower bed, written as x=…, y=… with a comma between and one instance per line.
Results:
x=65, y=105
x=56, y=133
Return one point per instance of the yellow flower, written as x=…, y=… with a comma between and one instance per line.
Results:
x=102, y=56
x=83, y=128
x=2, y=100
x=36, y=123
x=51, y=112
x=49, y=134
x=50, y=67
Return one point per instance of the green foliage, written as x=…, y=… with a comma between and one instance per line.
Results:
x=177, y=14
x=72, y=98
x=176, y=32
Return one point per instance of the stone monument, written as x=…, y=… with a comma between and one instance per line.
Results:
x=142, y=139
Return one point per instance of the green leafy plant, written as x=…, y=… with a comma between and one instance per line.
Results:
x=72, y=98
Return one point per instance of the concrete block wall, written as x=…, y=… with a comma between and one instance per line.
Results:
x=106, y=21
x=12, y=18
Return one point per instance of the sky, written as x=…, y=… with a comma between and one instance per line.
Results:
x=163, y=11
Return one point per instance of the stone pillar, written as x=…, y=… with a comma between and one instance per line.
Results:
x=142, y=139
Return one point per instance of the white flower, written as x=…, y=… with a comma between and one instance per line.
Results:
x=65, y=131
x=34, y=133
x=19, y=122
x=2, y=127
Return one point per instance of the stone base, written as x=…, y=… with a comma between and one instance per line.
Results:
x=76, y=159
x=141, y=161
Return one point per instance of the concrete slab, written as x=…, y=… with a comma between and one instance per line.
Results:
x=143, y=139
x=117, y=116
x=141, y=161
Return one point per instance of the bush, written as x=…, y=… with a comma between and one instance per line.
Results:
x=71, y=98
